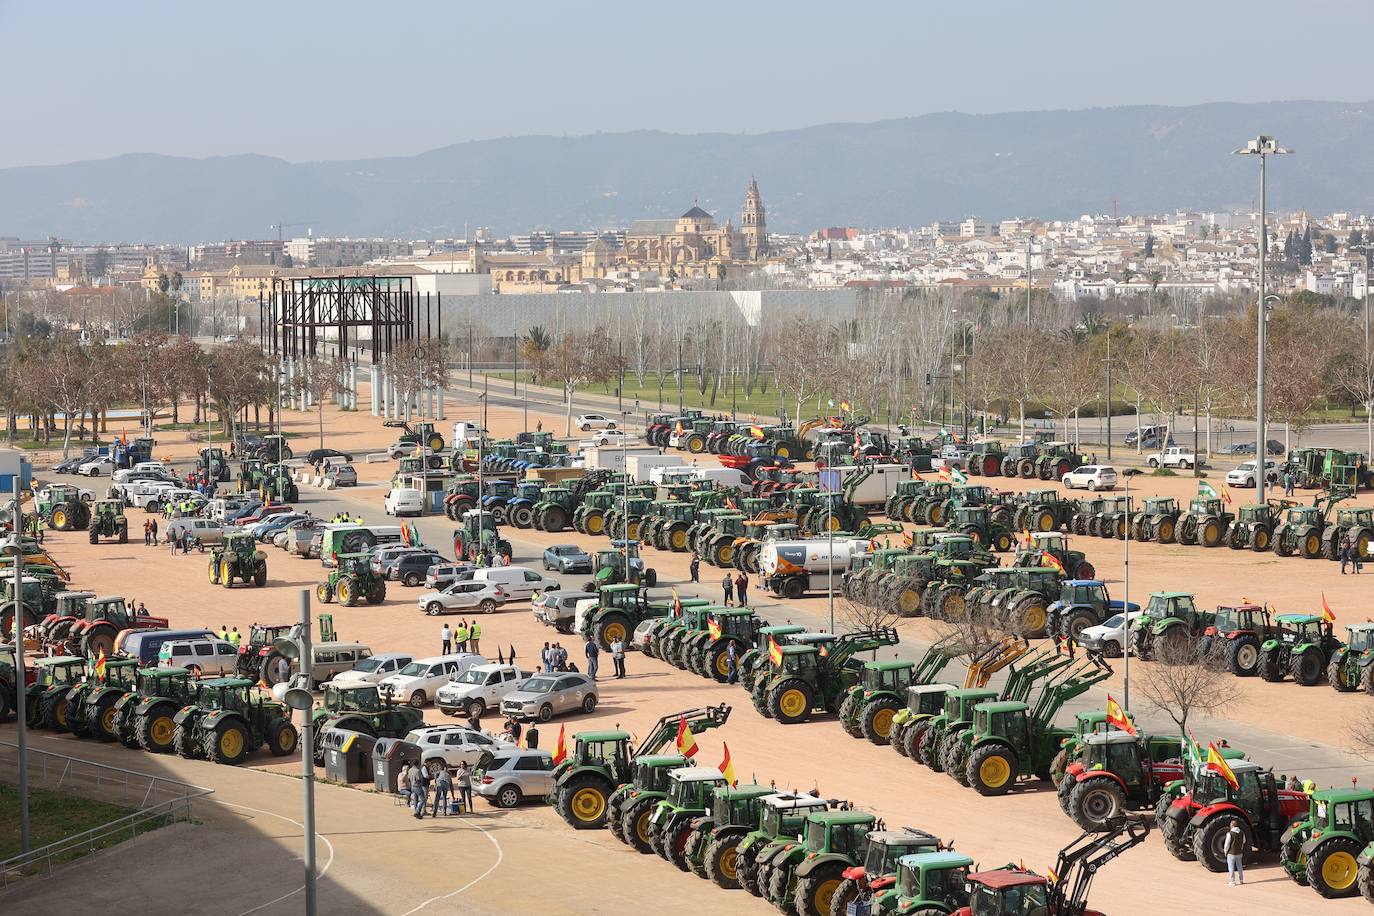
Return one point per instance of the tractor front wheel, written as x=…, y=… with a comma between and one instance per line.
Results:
x=323, y=593
x=992, y=770
x=227, y=744
x=185, y=743
x=634, y=825
x=876, y=719
x=816, y=892
x=260, y=573
x=849, y=715
x=722, y=861
x=1095, y=802
x=1209, y=840
x=791, y=701
x=1271, y=667
x=1243, y=656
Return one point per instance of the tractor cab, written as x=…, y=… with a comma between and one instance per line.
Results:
x=1240, y=618
x=1257, y=514
x=929, y=882
x=1166, y=605
x=1297, y=629
x=1359, y=637
x=691, y=787
x=604, y=749
x=1355, y=518
x=927, y=699
x=1161, y=505
x=887, y=676
x=109, y=508
x=1052, y=542
x=354, y=699
x=111, y=608
x=59, y=671
x=1085, y=592
x=738, y=806
x=972, y=495
x=951, y=546
x=1008, y=892
x=733, y=622
x=973, y=515
x=1200, y=505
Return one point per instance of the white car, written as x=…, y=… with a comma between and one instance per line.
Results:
x=607, y=437
x=463, y=595
x=450, y=745
x=401, y=501
x=590, y=421
x=478, y=689
x=150, y=495
x=1175, y=456
x=1107, y=637
x=1244, y=474
x=373, y=669
x=518, y=582
x=96, y=466
x=1091, y=477
x=419, y=681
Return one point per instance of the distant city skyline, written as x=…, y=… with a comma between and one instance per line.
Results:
x=308, y=83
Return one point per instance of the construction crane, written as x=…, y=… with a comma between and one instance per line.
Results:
x=280, y=226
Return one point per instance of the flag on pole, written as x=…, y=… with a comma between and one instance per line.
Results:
x=1194, y=752
x=560, y=750
x=1205, y=490
x=100, y=665
x=686, y=744
x=729, y=502
x=774, y=652
x=677, y=604
x=1226, y=494
x=677, y=427
x=727, y=769
x=1218, y=765
x=1117, y=718
x=916, y=475
x=756, y=432
x=958, y=476
x=1050, y=560
x=944, y=474
x=1052, y=876
x=713, y=628
x=1327, y=614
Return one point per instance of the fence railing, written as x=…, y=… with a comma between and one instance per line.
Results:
x=157, y=802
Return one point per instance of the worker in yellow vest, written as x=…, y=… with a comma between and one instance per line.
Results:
x=474, y=634
x=460, y=637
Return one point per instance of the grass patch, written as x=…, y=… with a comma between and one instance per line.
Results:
x=1163, y=472
x=53, y=816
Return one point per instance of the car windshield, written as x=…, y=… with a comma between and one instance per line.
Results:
x=539, y=685
x=414, y=669
x=1115, y=621
x=472, y=676
x=368, y=664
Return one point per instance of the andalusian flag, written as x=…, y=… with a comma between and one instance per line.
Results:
x=100, y=666
x=686, y=744
x=774, y=652
x=713, y=627
x=908, y=538
x=1194, y=752
x=1217, y=764
x=1117, y=718
x=958, y=476
x=1050, y=560
x=677, y=604
x=844, y=405
x=1327, y=614
x=1205, y=490
x=727, y=769
x=756, y=432
x=560, y=750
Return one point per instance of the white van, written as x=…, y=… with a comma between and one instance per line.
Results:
x=402, y=501
x=518, y=582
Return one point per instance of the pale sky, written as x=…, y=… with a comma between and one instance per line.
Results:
x=309, y=80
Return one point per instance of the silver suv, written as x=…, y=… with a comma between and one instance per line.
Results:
x=513, y=776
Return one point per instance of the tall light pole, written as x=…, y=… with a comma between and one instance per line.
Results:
x=1128, y=636
x=1367, y=248
x=1264, y=147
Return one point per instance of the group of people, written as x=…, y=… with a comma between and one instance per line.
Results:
x=231, y=636
x=414, y=781
x=736, y=587
x=593, y=652
x=1350, y=554
x=553, y=657
x=150, y=532
x=462, y=637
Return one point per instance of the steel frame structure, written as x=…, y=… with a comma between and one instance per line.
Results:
x=299, y=309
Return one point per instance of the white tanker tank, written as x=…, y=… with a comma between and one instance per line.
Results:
x=794, y=567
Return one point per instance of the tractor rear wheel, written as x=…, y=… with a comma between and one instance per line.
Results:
x=876, y=719
x=276, y=669
x=555, y=519
x=227, y=744
x=1209, y=840
x=909, y=597
x=1029, y=617
x=1095, y=802
x=1306, y=668
x=791, y=701
x=1333, y=870
x=582, y=802
x=1243, y=655
x=815, y=893
x=721, y=861
x=953, y=604
x=1025, y=468
x=992, y=770
x=1271, y=666
x=99, y=641
x=1164, y=530
x=610, y=627
x=1076, y=622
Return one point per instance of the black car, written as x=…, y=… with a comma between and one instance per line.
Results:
x=410, y=568
x=70, y=465
x=317, y=455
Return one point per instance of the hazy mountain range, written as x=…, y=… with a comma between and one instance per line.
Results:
x=888, y=173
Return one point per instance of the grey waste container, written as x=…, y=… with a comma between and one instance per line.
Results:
x=388, y=756
x=347, y=754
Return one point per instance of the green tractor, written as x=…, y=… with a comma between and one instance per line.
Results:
x=1019, y=460
x=985, y=458
x=1013, y=740
x=229, y=720
x=883, y=850
x=590, y=516
x=871, y=707
x=712, y=848
x=238, y=557
x=554, y=509
x=625, y=517
x=46, y=698
x=602, y=762
x=670, y=639
x=107, y=520
x=977, y=523
x=621, y=608
x=63, y=508
x=416, y=434
x=630, y=812
x=716, y=545
x=1325, y=848
x=90, y=704
x=1350, y=667
x=1057, y=459
x=756, y=656
x=929, y=884
x=1169, y=623
x=805, y=874
x=1055, y=544
x=859, y=582
x=146, y=715
x=1303, y=648
x=1356, y=523
x=213, y=463
x=1306, y=530
x=929, y=507
x=900, y=500
x=1042, y=510
x=362, y=708
x=479, y=534
x=1205, y=523
x=277, y=486
x=352, y=581
x=671, y=532
x=690, y=793
x=251, y=474
x=1254, y=525
x=1022, y=604
x=782, y=818
x=708, y=653
x=1157, y=520
x=620, y=565
x=808, y=678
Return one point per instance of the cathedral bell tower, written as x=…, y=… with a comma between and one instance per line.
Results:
x=753, y=224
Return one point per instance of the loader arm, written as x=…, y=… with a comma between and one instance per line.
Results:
x=1039, y=665
x=981, y=669
x=932, y=662
x=861, y=641
x=1066, y=685
x=698, y=719
x=1080, y=861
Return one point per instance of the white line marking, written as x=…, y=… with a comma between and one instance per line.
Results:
x=500, y=856
x=324, y=839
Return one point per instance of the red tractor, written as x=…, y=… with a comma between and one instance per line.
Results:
x=89, y=625
x=1115, y=772
x=1241, y=629
x=1195, y=824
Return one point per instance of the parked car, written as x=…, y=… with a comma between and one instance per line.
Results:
x=69, y=465
x=640, y=638
x=403, y=501
x=1244, y=473
x=418, y=681
x=379, y=555
x=94, y=467
x=1108, y=637
x=342, y=475
x=607, y=437
x=259, y=513
x=449, y=745
x=513, y=776
x=1091, y=477
x=317, y=455
x=441, y=575
x=266, y=529
x=590, y=421
x=285, y=537
x=558, y=609
x=518, y=582
x=1149, y=436
x=546, y=695
x=1275, y=447
x=202, y=530
x=1175, y=456
x=463, y=596
x=202, y=656
x=567, y=558
x=478, y=689
x=373, y=670
x=410, y=568
x=951, y=456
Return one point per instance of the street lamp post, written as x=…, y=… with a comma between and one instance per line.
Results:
x=1368, y=249
x=1127, y=636
x=1264, y=147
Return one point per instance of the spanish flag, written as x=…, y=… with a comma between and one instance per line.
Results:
x=944, y=473
x=1217, y=764
x=1050, y=560
x=727, y=768
x=774, y=652
x=100, y=665
x=844, y=405
x=677, y=604
x=677, y=428
x=1226, y=494
x=560, y=750
x=756, y=432
x=1327, y=614
x=729, y=502
x=916, y=475
x=1026, y=538
x=1117, y=718
x=713, y=627
x=686, y=744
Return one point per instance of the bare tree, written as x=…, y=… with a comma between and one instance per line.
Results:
x=235, y=376
x=1074, y=381
x=1353, y=370
x=139, y=363
x=857, y=616
x=1302, y=344
x=575, y=360
x=1187, y=679
x=1025, y=360
x=415, y=367
x=67, y=378
x=316, y=378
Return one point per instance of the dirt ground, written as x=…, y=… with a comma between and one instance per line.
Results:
x=1026, y=826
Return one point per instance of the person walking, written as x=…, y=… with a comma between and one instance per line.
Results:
x=695, y=567
x=419, y=791
x=1345, y=552
x=153, y=522
x=618, y=656
x=1288, y=480
x=546, y=658
x=474, y=634
x=464, y=783
x=731, y=662
x=728, y=586
x=460, y=637
x=741, y=588
x=1234, y=848
x=475, y=717
x=593, y=653
x=443, y=790
x=445, y=640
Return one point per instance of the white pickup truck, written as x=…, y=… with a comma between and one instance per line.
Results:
x=1175, y=456
x=478, y=689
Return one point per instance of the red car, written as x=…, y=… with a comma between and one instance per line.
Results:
x=261, y=513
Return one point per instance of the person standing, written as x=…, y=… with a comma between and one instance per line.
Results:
x=147, y=533
x=1288, y=481
x=1234, y=848
x=741, y=588
x=445, y=640
x=731, y=662
x=474, y=634
x=593, y=653
x=546, y=658
x=153, y=522
x=460, y=637
x=728, y=586
x=443, y=789
x=1345, y=552
x=618, y=656
x=235, y=637
x=464, y=783
x=419, y=792
x=695, y=567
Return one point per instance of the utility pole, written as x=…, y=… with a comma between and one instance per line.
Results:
x=20, y=699
x=1108, y=361
x=1028, y=278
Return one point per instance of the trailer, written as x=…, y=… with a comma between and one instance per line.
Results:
x=640, y=466
x=795, y=568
